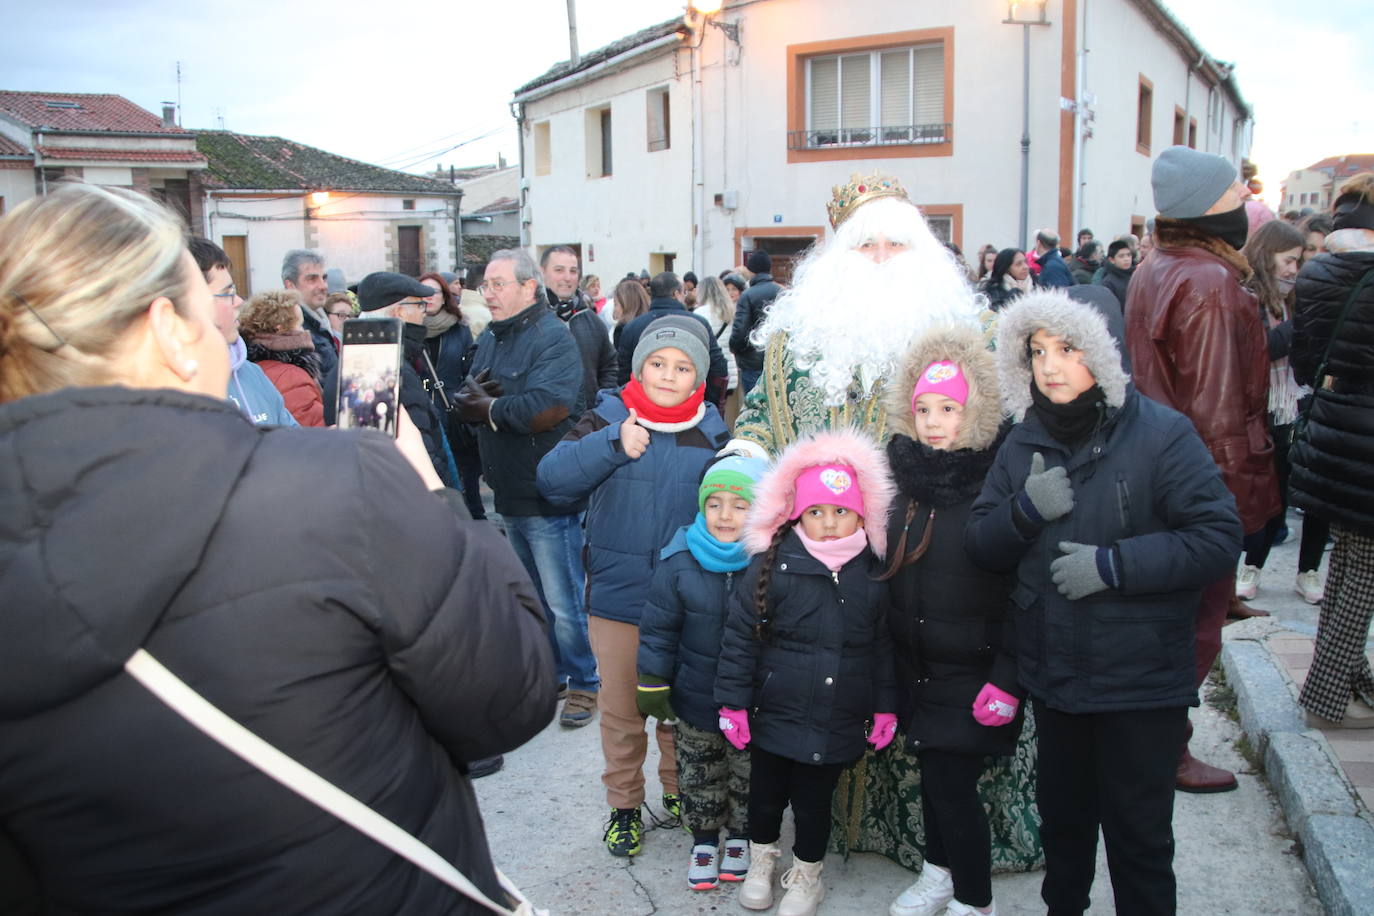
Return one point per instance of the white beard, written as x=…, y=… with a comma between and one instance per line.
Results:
x=848, y=316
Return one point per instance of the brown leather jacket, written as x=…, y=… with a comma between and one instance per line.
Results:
x=1197, y=345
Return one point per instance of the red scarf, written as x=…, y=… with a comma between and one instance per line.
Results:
x=635, y=398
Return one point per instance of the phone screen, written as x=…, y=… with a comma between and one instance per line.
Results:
x=370, y=374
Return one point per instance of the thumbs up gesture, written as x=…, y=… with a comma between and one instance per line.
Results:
x=634, y=439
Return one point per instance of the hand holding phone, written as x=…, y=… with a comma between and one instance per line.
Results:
x=369, y=395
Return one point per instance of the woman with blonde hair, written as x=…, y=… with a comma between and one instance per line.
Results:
x=715, y=305
x=273, y=328
x=301, y=580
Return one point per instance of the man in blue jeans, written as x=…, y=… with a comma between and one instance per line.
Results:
x=524, y=394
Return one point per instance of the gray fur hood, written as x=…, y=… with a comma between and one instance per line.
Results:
x=1084, y=326
x=967, y=346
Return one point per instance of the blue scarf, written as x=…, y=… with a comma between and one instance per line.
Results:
x=713, y=555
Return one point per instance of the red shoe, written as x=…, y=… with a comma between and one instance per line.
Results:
x=1196, y=776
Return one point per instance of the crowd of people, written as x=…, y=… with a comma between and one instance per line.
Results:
x=935, y=555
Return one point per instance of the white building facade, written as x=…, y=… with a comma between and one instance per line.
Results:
x=683, y=146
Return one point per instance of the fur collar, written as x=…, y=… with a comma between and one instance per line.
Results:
x=1080, y=323
x=301, y=357
x=774, y=492
x=962, y=344
x=1180, y=233
x=941, y=478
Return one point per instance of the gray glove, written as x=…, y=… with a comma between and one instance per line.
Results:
x=1047, y=495
x=1084, y=570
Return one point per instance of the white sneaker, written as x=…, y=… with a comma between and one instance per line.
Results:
x=963, y=909
x=1309, y=585
x=1247, y=582
x=804, y=889
x=703, y=873
x=931, y=893
x=756, y=893
x=734, y=859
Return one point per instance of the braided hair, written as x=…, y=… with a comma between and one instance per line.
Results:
x=770, y=556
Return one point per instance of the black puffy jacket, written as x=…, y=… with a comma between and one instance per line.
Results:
x=1333, y=468
x=750, y=311
x=681, y=627
x=301, y=580
x=950, y=625
x=824, y=666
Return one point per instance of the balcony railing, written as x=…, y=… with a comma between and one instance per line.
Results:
x=907, y=135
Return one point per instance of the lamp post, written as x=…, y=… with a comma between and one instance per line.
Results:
x=1025, y=14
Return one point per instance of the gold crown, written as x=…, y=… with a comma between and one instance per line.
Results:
x=861, y=189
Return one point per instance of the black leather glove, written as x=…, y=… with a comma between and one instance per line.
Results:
x=472, y=404
x=490, y=385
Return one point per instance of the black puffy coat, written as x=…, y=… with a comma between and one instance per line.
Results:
x=593, y=343
x=1333, y=468
x=302, y=581
x=949, y=619
x=824, y=666
x=680, y=630
x=750, y=311
x=1145, y=484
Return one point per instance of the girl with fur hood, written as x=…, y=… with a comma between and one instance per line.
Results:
x=1114, y=517
x=958, y=699
x=805, y=661
x=278, y=342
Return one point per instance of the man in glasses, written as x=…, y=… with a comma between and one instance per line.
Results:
x=249, y=387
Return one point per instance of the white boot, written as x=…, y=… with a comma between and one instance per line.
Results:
x=804, y=889
x=756, y=893
x=963, y=909
x=931, y=893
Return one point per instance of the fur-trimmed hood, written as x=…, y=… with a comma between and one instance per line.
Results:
x=966, y=346
x=1181, y=233
x=1081, y=324
x=773, y=494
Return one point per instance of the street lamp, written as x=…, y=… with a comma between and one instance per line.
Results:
x=1025, y=15
x=704, y=11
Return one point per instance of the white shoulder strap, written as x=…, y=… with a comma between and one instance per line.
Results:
x=201, y=713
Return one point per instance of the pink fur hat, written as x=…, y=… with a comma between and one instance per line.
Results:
x=775, y=495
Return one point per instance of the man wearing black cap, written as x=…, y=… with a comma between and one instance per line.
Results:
x=389, y=295
x=749, y=311
x=1198, y=346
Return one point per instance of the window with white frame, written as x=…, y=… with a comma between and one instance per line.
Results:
x=874, y=98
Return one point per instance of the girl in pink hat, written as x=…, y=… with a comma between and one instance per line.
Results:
x=805, y=675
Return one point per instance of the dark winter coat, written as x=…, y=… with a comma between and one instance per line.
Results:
x=1333, y=469
x=1117, y=280
x=1053, y=271
x=1143, y=484
x=1000, y=296
x=1082, y=271
x=681, y=628
x=599, y=364
x=749, y=313
x=1197, y=345
x=824, y=666
x=450, y=352
x=634, y=505
x=325, y=344
x=352, y=621
x=534, y=357
x=718, y=372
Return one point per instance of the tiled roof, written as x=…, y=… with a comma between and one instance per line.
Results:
x=500, y=205
x=620, y=46
x=82, y=111
x=1344, y=166
x=9, y=147
x=121, y=155
x=249, y=162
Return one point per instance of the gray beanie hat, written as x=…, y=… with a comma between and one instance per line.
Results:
x=682, y=332
x=1187, y=182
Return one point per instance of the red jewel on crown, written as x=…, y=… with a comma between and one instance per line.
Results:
x=862, y=189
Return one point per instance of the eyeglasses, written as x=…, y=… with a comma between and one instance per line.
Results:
x=495, y=286
x=341, y=314
x=227, y=293
x=414, y=303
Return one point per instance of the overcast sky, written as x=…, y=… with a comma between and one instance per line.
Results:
x=403, y=82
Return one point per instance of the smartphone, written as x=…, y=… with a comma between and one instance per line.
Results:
x=370, y=375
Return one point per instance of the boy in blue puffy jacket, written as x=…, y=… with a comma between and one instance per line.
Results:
x=637, y=456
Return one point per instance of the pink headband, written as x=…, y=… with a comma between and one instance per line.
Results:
x=944, y=378
x=827, y=484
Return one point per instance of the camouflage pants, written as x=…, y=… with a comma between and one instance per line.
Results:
x=713, y=778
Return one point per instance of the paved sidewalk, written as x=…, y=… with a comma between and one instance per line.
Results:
x=1324, y=778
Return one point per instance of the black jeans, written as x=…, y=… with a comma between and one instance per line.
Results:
x=1115, y=770
x=956, y=825
x=1315, y=531
x=774, y=782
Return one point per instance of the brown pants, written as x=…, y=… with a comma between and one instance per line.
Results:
x=1211, y=615
x=623, y=739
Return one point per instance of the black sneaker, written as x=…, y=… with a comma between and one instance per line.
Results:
x=623, y=832
x=485, y=767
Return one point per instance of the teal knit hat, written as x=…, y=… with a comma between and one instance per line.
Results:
x=734, y=474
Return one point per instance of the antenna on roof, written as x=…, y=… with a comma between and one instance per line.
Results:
x=178, y=93
x=573, y=56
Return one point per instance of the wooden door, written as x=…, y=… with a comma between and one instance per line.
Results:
x=236, y=247
x=408, y=247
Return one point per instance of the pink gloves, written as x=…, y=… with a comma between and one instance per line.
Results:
x=734, y=724
x=884, y=727
x=994, y=706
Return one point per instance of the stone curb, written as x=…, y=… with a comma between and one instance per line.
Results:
x=1338, y=844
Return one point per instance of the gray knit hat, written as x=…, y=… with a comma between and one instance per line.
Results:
x=1187, y=182
x=682, y=332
